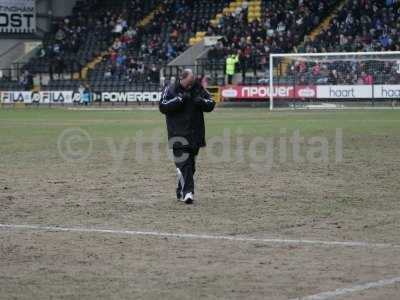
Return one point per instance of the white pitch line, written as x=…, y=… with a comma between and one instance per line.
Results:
x=202, y=236
x=350, y=290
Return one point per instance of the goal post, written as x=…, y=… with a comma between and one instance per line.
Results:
x=334, y=80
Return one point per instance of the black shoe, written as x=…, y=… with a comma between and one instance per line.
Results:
x=189, y=201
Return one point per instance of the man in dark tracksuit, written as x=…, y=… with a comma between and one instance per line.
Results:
x=183, y=104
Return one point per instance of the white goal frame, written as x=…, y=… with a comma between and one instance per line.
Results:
x=320, y=54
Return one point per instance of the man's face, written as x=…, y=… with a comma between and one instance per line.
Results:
x=187, y=82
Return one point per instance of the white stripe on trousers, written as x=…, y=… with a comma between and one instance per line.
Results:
x=181, y=180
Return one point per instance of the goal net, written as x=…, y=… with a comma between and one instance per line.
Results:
x=334, y=80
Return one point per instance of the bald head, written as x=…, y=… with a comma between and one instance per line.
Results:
x=187, y=79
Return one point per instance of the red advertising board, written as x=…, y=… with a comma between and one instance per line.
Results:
x=262, y=92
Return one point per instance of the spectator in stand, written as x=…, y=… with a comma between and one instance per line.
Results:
x=243, y=61
x=154, y=75
x=231, y=62
x=59, y=67
x=81, y=89
x=367, y=78
x=26, y=80
x=282, y=27
x=86, y=95
x=362, y=25
x=120, y=60
x=108, y=73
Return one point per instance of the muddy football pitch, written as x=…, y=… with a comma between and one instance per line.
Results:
x=289, y=205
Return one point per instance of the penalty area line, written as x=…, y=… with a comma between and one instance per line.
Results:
x=199, y=236
x=356, y=288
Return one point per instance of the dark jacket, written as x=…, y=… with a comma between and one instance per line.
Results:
x=184, y=115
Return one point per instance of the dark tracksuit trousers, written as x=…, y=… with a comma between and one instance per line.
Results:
x=185, y=162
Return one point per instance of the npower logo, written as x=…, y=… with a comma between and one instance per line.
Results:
x=229, y=93
x=306, y=92
x=264, y=92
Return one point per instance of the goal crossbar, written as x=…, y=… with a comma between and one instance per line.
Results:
x=333, y=54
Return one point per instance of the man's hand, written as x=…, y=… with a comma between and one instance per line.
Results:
x=205, y=104
x=198, y=101
x=185, y=96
